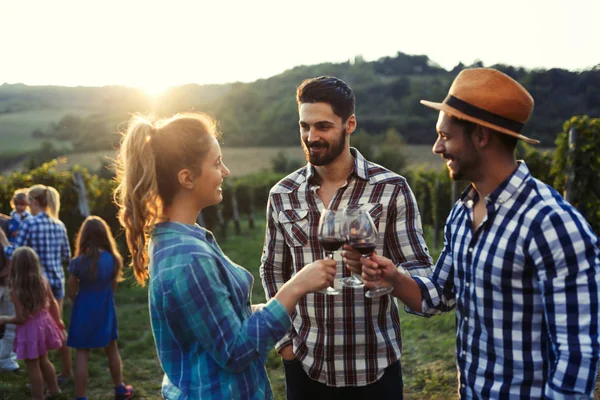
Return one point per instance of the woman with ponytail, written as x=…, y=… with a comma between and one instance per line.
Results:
x=212, y=343
x=47, y=236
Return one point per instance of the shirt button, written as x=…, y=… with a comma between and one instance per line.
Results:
x=464, y=353
x=467, y=284
x=470, y=249
x=463, y=386
x=466, y=318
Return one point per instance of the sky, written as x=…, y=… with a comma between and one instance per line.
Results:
x=157, y=44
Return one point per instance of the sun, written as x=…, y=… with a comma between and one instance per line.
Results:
x=154, y=89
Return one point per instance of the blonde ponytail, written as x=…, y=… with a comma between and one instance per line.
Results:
x=47, y=198
x=151, y=155
x=137, y=192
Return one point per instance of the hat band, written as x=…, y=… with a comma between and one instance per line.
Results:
x=479, y=113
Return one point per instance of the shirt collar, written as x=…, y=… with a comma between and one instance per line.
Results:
x=360, y=167
x=504, y=191
x=169, y=227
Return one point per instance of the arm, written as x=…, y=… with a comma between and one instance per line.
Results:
x=66, y=248
x=204, y=302
x=436, y=293
x=404, y=240
x=19, y=317
x=73, y=281
x=21, y=240
x=53, y=309
x=566, y=256
x=72, y=287
x=275, y=260
x=3, y=239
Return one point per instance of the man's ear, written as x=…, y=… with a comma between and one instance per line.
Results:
x=481, y=136
x=350, y=124
x=186, y=178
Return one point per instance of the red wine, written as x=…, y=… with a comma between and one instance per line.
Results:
x=364, y=248
x=331, y=245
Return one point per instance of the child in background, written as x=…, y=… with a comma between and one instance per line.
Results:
x=8, y=358
x=19, y=213
x=95, y=271
x=39, y=327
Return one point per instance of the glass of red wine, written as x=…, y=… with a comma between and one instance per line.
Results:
x=362, y=236
x=351, y=214
x=331, y=238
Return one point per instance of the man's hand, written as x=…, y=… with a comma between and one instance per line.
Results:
x=378, y=270
x=287, y=352
x=351, y=258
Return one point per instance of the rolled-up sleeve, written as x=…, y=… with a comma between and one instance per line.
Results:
x=437, y=290
x=276, y=263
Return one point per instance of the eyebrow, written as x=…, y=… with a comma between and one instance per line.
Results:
x=323, y=122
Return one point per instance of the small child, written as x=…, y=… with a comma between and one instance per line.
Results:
x=19, y=204
x=94, y=273
x=39, y=327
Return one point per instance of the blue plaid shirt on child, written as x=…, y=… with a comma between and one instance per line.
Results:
x=15, y=222
x=525, y=286
x=210, y=344
x=48, y=238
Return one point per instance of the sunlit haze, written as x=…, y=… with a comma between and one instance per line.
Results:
x=154, y=45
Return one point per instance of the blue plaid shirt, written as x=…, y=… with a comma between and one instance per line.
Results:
x=48, y=238
x=210, y=344
x=525, y=286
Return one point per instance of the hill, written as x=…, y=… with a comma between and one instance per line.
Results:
x=264, y=113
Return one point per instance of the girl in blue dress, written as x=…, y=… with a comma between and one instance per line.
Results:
x=94, y=274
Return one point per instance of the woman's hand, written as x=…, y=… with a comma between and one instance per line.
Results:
x=315, y=276
x=376, y=269
x=257, y=307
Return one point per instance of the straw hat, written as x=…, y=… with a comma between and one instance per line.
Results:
x=489, y=98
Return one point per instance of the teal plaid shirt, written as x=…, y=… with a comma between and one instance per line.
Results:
x=210, y=344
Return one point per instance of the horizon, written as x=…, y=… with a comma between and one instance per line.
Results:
x=155, y=47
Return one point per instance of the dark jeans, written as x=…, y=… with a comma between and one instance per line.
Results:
x=299, y=386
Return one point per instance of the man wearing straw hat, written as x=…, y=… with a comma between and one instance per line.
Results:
x=519, y=263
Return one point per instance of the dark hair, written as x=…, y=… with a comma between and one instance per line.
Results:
x=94, y=236
x=328, y=89
x=507, y=141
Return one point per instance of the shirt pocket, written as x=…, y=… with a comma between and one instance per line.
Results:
x=375, y=211
x=295, y=226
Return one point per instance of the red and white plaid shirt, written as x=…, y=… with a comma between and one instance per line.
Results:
x=348, y=339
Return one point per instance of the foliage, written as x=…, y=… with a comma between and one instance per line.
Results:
x=98, y=191
x=282, y=164
x=585, y=166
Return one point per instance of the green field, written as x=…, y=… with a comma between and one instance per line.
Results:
x=16, y=128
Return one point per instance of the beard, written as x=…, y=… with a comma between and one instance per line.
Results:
x=329, y=151
x=463, y=169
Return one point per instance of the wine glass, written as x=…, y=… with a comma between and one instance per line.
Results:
x=362, y=236
x=331, y=238
x=351, y=212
